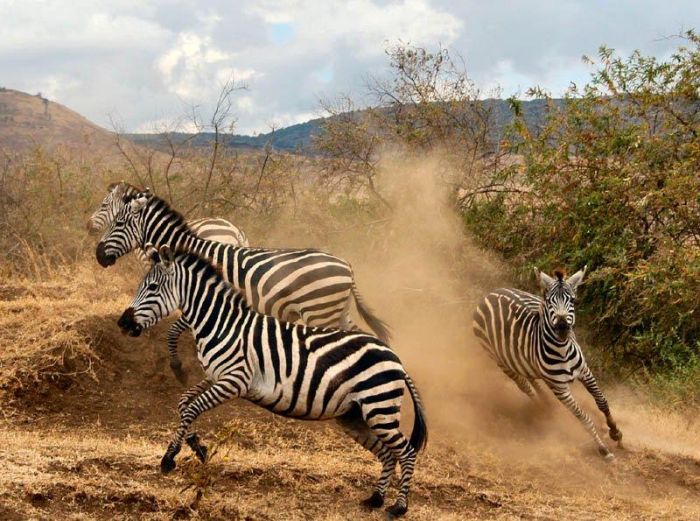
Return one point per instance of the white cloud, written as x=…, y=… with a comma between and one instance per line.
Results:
x=141, y=59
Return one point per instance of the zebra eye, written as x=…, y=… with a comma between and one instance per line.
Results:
x=152, y=286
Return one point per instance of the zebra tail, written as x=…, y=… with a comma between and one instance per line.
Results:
x=419, y=435
x=380, y=327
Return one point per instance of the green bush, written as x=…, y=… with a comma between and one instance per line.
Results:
x=612, y=180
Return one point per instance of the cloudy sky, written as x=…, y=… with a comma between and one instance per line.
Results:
x=143, y=62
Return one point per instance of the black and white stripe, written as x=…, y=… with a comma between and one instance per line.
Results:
x=532, y=338
x=290, y=369
x=212, y=229
x=293, y=285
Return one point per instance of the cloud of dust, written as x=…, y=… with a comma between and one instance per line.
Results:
x=420, y=273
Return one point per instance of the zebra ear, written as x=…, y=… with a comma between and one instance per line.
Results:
x=544, y=279
x=152, y=253
x=137, y=202
x=167, y=256
x=576, y=279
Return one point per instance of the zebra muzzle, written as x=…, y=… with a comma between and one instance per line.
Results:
x=105, y=260
x=128, y=324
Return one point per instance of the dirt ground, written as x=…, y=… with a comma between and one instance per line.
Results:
x=92, y=452
x=89, y=447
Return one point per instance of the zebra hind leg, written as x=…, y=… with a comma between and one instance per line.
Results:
x=354, y=426
x=383, y=422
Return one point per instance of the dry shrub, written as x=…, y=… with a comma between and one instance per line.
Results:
x=50, y=328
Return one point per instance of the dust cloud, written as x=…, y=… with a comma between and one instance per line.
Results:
x=421, y=274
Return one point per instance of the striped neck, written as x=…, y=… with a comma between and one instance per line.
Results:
x=202, y=290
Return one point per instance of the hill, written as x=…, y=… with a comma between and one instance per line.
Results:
x=299, y=137
x=27, y=120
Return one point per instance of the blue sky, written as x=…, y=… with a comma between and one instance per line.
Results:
x=143, y=63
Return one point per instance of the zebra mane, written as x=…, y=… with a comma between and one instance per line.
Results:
x=180, y=220
x=210, y=271
x=560, y=273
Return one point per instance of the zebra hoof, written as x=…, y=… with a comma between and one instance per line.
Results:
x=607, y=455
x=167, y=464
x=616, y=435
x=397, y=510
x=376, y=500
x=199, y=450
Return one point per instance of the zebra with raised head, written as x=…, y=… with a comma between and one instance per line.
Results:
x=213, y=229
x=210, y=228
x=293, y=285
x=532, y=338
x=290, y=369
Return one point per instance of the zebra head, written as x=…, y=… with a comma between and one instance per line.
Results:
x=559, y=299
x=110, y=206
x=125, y=232
x=156, y=297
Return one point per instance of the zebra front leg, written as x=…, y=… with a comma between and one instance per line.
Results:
x=174, y=333
x=591, y=386
x=217, y=393
x=192, y=439
x=522, y=382
x=563, y=394
x=355, y=427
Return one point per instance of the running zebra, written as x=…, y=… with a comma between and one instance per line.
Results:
x=214, y=229
x=293, y=285
x=532, y=338
x=290, y=369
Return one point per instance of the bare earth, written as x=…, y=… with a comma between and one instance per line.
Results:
x=92, y=452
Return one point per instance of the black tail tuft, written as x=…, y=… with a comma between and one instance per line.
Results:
x=378, y=325
x=419, y=435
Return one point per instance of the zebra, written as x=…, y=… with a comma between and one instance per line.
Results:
x=210, y=228
x=305, y=285
x=215, y=229
x=532, y=338
x=290, y=369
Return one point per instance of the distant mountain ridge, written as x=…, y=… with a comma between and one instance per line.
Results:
x=299, y=137
x=28, y=120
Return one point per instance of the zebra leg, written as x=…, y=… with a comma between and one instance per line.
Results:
x=192, y=439
x=174, y=333
x=192, y=393
x=384, y=424
x=540, y=392
x=522, y=382
x=563, y=394
x=214, y=395
x=355, y=427
x=591, y=385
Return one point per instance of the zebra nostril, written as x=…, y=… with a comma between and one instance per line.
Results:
x=103, y=259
